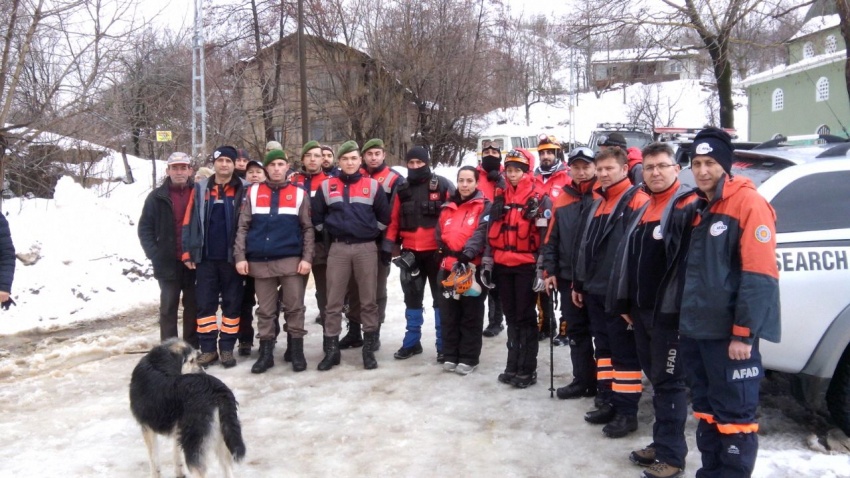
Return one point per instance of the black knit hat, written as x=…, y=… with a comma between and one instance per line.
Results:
x=417, y=152
x=716, y=143
x=615, y=139
x=226, y=151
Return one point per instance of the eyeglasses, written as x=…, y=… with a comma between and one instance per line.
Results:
x=581, y=153
x=660, y=167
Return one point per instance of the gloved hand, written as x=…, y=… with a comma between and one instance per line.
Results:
x=531, y=208
x=386, y=257
x=539, y=284
x=497, y=209
x=487, y=273
x=464, y=258
x=9, y=302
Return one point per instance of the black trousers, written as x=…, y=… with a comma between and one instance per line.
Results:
x=246, y=319
x=658, y=352
x=218, y=279
x=429, y=268
x=578, y=332
x=169, y=301
x=519, y=300
x=462, y=320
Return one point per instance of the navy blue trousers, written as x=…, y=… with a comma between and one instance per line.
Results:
x=724, y=396
x=218, y=279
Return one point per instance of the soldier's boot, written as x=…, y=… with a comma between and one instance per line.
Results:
x=369, y=361
x=287, y=354
x=299, y=363
x=265, y=360
x=331, y=347
x=352, y=339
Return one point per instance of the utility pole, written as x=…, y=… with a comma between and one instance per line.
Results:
x=302, y=66
x=199, y=97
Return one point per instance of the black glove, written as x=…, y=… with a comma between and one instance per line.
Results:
x=497, y=210
x=9, y=302
x=531, y=208
x=464, y=258
x=386, y=257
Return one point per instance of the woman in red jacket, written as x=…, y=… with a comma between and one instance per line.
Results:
x=461, y=237
x=518, y=220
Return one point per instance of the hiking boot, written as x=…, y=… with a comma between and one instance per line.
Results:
x=506, y=377
x=449, y=366
x=662, y=470
x=369, y=341
x=441, y=358
x=601, y=415
x=353, y=338
x=320, y=320
x=407, y=352
x=643, y=457
x=620, y=426
x=561, y=341
x=227, y=359
x=575, y=390
x=245, y=349
x=492, y=330
x=465, y=369
x=598, y=400
x=207, y=358
x=524, y=381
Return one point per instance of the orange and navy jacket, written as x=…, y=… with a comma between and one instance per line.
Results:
x=569, y=212
x=351, y=208
x=514, y=239
x=731, y=285
x=605, y=225
x=488, y=187
x=275, y=231
x=462, y=228
x=196, y=221
x=415, y=210
x=648, y=251
x=553, y=183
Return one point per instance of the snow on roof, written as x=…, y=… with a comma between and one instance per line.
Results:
x=785, y=70
x=817, y=24
x=640, y=54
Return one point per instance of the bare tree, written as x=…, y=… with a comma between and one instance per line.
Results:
x=649, y=109
x=55, y=56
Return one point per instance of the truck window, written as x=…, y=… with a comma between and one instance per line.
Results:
x=817, y=202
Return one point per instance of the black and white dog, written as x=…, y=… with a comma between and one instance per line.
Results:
x=171, y=395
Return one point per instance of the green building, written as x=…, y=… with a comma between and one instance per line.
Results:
x=809, y=94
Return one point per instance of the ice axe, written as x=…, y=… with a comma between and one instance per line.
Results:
x=552, y=302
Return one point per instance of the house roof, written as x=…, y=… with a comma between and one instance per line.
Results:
x=816, y=24
x=641, y=54
x=802, y=65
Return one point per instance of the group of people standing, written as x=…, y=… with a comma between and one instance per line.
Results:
x=655, y=278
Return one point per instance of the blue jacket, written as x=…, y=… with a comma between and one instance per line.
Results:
x=7, y=256
x=196, y=222
x=351, y=208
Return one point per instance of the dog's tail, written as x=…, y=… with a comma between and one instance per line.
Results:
x=231, y=429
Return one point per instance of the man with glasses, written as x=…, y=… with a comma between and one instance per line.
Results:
x=550, y=177
x=559, y=261
x=491, y=178
x=651, y=242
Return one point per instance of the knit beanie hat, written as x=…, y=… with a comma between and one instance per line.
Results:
x=226, y=151
x=273, y=155
x=417, y=152
x=308, y=146
x=716, y=143
x=615, y=139
x=346, y=148
x=372, y=143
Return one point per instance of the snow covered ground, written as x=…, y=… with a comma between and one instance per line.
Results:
x=63, y=378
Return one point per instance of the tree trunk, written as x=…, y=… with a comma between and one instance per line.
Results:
x=843, y=9
x=718, y=49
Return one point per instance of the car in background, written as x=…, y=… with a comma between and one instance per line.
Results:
x=808, y=186
x=635, y=136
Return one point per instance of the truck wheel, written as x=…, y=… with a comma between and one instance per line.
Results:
x=838, y=394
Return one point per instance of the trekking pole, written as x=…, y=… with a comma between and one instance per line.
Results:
x=554, y=299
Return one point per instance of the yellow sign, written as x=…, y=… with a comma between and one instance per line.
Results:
x=163, y=136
